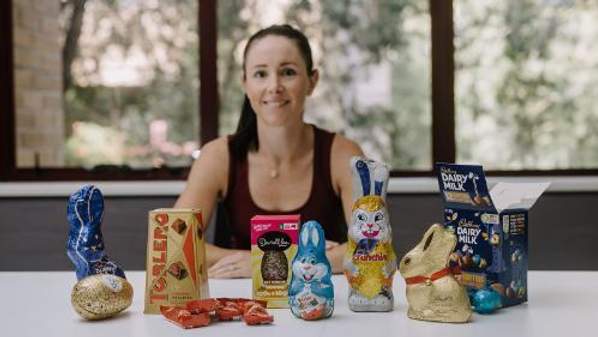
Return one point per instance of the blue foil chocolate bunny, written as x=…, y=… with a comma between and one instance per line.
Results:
x=85, y=245
x=370, y=261
x=311, y=294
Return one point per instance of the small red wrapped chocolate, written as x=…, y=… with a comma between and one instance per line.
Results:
x=184, y=318
x=208, y=305
x=229, y=310
x=257, y=314
x=198, y=313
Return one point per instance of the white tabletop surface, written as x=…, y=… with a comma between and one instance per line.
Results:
x=38, y=304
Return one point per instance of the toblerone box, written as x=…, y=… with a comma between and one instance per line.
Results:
x=491, y=229
x=273, y=247
x=176, y=260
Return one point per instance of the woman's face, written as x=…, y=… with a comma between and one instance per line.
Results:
x=276, y=80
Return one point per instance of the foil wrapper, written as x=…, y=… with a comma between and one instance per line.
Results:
x=370, y=261
x=201, y=313
x=101, y=296
x=311, y=293
x=433, y=294
x=85, y=244
x=486, y=301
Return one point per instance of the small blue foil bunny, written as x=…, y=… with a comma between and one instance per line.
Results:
x=85, y=245
x=311, y=294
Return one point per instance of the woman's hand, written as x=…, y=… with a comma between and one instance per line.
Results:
x=331, y=244
x=235, y=265
x=335, y=253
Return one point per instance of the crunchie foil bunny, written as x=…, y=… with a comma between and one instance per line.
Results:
x=433, y=293
x=370, y=261
x=311, y=294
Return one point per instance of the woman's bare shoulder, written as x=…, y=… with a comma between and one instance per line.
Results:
x=340, y=157
x=208, y=178
x=343, y=147
x=216, y=149
x=211, y=167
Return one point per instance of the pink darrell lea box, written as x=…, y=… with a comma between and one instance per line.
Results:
x=273, y=247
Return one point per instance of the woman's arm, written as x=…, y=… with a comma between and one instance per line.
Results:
x=207, y=179
x=342, y=151
x=207, y=183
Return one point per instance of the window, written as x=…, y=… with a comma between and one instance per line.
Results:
x=512, y=88
x=106, y=83
x=526, y=83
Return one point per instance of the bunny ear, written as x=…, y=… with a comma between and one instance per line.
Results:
x=304, y=237
x=428, y=241
x=315, y=236
x=378, y=187
x=364, y=175
x=380, y=178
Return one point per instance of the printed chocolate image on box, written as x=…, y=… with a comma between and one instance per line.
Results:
x=176, y=259
x=273, y=247
x=491, y=229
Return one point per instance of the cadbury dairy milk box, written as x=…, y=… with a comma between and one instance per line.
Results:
x=273, y=247
x=176, y=270
x=491, y=229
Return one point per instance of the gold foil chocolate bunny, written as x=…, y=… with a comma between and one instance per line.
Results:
x=433, y=293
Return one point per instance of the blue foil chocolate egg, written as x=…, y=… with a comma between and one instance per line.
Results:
x=486, y=301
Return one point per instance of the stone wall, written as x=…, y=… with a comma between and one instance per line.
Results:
x=39, y=110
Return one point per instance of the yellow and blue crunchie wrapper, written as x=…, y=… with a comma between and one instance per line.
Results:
x=370, y=261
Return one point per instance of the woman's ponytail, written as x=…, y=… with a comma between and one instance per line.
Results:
x=245, y=138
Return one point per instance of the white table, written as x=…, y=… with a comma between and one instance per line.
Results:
x=38, y=304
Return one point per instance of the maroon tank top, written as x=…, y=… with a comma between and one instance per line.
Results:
x=322, y=204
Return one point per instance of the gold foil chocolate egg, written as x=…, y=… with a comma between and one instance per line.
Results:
x=101, y=296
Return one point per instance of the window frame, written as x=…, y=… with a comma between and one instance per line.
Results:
x=442, y=102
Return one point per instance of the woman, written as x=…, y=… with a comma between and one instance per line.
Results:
x=275, y=163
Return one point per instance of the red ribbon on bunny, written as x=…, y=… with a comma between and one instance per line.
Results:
x=435, y=276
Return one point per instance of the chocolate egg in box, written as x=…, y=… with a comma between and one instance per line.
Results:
x=490, y=225
x=176, y=269
x=273, y=247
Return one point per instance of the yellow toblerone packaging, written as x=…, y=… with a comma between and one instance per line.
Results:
x=176, y=269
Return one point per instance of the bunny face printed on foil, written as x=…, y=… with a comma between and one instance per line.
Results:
x=370, y=260
x=311, y=294
x=433, y=293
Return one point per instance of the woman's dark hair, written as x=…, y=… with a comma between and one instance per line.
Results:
x=245, y=138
